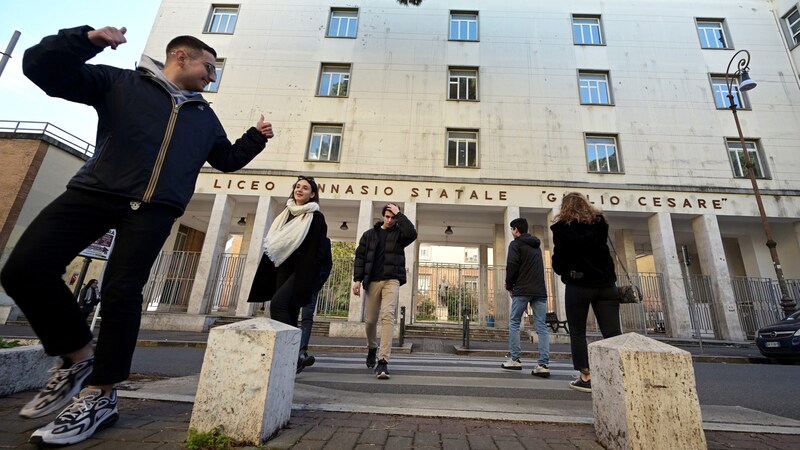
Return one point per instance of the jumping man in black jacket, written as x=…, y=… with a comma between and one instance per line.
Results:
x=380, y=266
x=155, y=131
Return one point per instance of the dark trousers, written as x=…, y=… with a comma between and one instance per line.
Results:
x=307, y=321
x=284, y=307
x=605, y=305
x=32, y=275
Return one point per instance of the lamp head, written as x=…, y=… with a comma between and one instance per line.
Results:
x=746, y=83
x=242, y=221
x=448, y=231
x=344, y=226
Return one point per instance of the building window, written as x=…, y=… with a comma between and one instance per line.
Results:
x=737, y=158
x=594, y=88
x=424, y=283
x=343, y=23
x=602, y=155
x=720, y=89
x=586, y=30
x=712, y=33
x=326, y=141
x=462, y=149
x=463, y=26
x=222, y=19
x=471, y=255
x=334, y=81
x=214, y=87
x=793, y=25
x=463, y=84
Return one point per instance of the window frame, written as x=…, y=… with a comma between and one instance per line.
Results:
x=734, y=146
x=219, y=64
x=593, y=73
x=475, y=140
x=311, y=135
x=723, y=28
x=211, y=15
x=613, y=137
x=463, y=13
x=792, y=37
x=715, y=80
x=600, y=31
x=330, y=23
x=322, y=73
x=464, y=69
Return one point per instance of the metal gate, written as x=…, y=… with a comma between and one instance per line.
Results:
x=334, y=297
x=701, y=300
x=758, y=301
x=170, y=283
x=226, y=279
x=648, y=317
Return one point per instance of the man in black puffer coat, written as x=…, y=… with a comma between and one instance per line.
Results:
x=155, y=132
x=380, y=267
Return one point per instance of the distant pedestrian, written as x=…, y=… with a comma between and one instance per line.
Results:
x=307, y=313
x=290, y=267
x=526, y=286
x=89, y=297
x=380, y=267
x=582, y=259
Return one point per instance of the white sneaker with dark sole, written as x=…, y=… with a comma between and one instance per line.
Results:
x=512, y=364
x=63, y=385
x=89, y=412
x=541, y=370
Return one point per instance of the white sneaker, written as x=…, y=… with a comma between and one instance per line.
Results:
x=89, y=412
x=59, y=389
x=541, y=370
x=512, y=364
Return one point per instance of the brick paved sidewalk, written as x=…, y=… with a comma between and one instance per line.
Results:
x=148, y=424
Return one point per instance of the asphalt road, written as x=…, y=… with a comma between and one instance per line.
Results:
x=768, y=388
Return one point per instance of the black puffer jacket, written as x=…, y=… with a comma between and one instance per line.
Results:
x=581, y=255
x=148, y=148
x=525, y=268
x=400, y=236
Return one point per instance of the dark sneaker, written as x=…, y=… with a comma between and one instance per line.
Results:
x=512, y=364
x=541, y=370
x=371, y=353
x=580, y=385
x=382, y=371
x=304, y=360
x=64, y=383
x=88, y=413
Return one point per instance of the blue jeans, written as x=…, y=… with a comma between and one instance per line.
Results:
x=307, y=321
x=518, y=306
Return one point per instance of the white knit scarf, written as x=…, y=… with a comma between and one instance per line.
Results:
x=285, y=237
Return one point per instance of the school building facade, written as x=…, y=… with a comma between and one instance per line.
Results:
x=470, y=113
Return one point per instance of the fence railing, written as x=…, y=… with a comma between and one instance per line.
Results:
x=170, y=283
x=758, y=301
x=48, y=129
x=334, y=297
x=226, y=279
x=648, y=317
x=702, y=311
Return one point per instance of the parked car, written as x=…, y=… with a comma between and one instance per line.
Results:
x=781, y=341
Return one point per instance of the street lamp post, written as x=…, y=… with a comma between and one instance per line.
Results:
x=746, y=84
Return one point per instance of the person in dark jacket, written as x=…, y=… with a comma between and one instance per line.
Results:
x=89, y=297
x=380, y=268
x=155, y=132
x=525, y=284
x=582, y=259
x=290, y=268
x=307, y=313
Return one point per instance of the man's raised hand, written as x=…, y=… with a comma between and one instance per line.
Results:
x=108, y=37
x=265, y=128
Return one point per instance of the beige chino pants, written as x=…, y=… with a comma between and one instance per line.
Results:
x=382, y=297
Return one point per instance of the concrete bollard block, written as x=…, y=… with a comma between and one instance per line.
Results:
x=247, y=380
x=23, y=368
x=644, y=395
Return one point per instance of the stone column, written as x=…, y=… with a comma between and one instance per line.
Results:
x=558, y=286
x=503, y=237
x=258, y=223
x=407, y=290
x=213, y=246
x=248, y=233
x=665, y=255
x=714, y=264
x=365, y=222
x=623, y=243
x=483, y=285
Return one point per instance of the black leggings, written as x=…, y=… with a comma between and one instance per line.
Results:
x=605, y=305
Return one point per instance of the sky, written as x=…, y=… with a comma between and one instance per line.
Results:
x=21, y=100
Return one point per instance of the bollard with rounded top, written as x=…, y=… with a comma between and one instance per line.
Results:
x=247, y=380
x=644, y=395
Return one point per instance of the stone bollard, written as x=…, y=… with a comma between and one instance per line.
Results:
x=247, y=380
x=644, y=395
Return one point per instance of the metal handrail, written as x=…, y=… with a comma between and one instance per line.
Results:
x=50, y=130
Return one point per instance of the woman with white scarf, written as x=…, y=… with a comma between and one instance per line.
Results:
x=289, y=269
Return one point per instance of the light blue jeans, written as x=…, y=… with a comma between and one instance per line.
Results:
x=518, y=306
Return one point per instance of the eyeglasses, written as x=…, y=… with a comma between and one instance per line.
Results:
x=210, y=68
x=303, y=177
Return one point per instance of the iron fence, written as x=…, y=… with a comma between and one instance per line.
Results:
x=758, y=301
x=226, y=279
x=648, y=317
x=702, y=311
x=170, y=283
x=333, y=300
x=48, y=129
